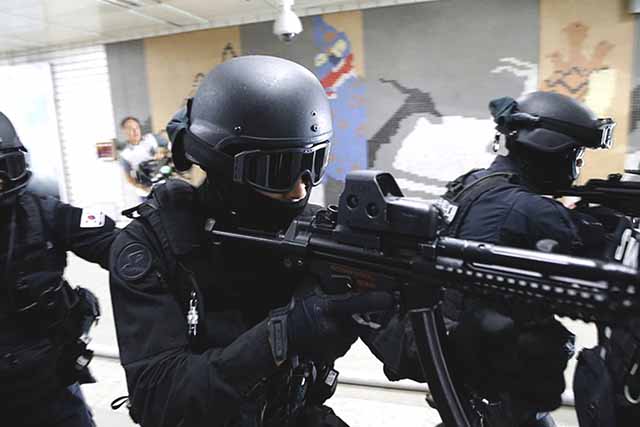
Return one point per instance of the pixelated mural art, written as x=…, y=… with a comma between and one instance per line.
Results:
x=635, y=109
x=416, y=102
x=632, y=160
x=455, y=146
x=334, y=66
x=427, y=139
x=519, y=68
x=573, y=76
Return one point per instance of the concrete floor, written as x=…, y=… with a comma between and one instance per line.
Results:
x=358, y=405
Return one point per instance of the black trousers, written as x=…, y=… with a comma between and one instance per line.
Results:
x=65, y=409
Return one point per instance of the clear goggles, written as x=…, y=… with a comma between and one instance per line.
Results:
x=13, y=165
x=277, y=171
x=606, y=128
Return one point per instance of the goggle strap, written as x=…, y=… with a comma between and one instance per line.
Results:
x=600, y=137
x=216, y=160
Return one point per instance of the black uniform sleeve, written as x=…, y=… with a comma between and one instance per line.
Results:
x=169, y=384
x=91, y=241
x=533, y=218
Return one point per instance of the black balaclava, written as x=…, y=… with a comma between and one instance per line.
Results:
x=543, y=172
x=242, y=206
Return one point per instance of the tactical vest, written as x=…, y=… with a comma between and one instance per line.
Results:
x=219, y=288
x=456, y=204
x=28, y=358
x=607, y=377
x=33, y=250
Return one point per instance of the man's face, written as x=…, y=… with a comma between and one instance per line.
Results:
x=298, y=193
x=132, y=130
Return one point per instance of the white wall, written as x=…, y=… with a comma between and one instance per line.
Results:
x=28, y=101
x=84, y=113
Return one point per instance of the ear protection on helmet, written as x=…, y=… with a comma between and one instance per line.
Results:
x=176, y=129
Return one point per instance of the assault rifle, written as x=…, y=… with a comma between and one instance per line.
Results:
x=623, y=196
x=377, y=239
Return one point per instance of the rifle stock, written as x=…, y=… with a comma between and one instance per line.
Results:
x=376, y=239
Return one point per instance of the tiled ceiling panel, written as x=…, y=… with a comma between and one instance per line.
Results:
x=47, y=9
x=222, y=7
x=170, y=14
x=117, y=19
x=39, y=25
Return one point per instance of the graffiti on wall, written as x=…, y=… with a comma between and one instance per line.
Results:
x=334, y=66
x=525, y=70
x=424, y=139
x=632, y=161
x=415, y=102
x=581, y=76
x=228, y=52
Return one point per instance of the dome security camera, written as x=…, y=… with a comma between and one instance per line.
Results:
x=287, y=26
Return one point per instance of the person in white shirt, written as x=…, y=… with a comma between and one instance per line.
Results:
x=139, y=149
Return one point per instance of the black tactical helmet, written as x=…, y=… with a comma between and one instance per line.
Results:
x=14, y=174
x=547, y=134
x=256, y=120
x=550, y=122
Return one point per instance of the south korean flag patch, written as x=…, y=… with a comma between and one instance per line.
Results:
x=92, y=218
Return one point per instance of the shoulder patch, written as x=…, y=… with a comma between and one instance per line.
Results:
x=92, y=218
x=134, y=261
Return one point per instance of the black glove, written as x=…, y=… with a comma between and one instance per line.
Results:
x=494, y=355
x=320, y=327
x=601, y=230
x=88, y=310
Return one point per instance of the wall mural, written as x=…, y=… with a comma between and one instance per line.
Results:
x=586, y=52
x=435, y=139
x=412, y=107
x=572, y=76
x=228, y=52
x=428, y=119
x=416, y=102
x=334, y=66
x=632, y=160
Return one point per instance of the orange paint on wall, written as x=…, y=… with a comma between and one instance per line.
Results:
x=586, y=49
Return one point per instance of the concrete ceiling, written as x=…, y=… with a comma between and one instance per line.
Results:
x=41, y=25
